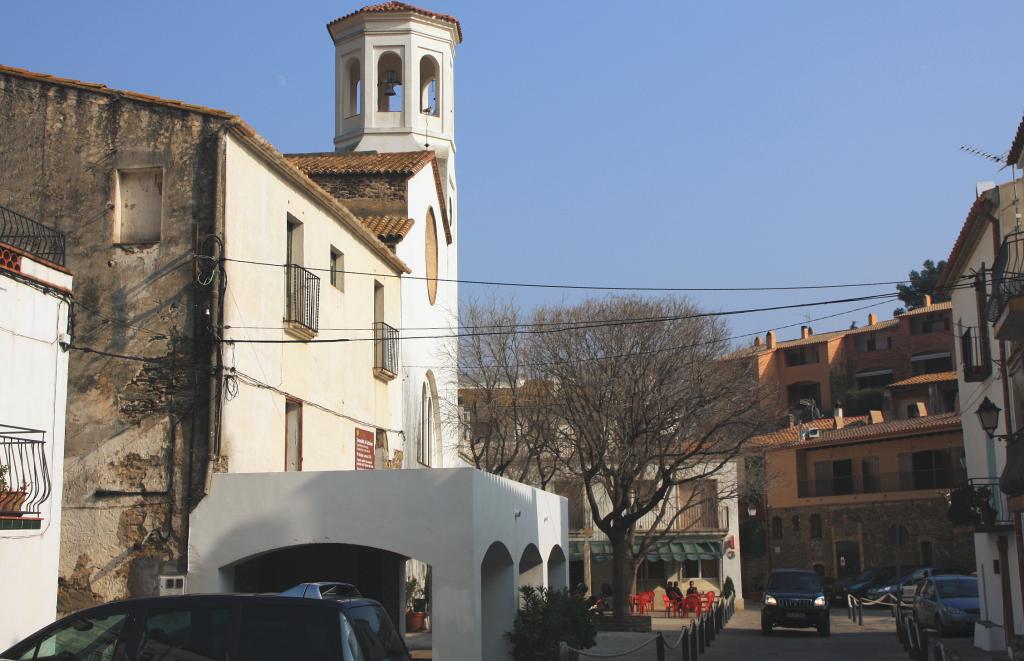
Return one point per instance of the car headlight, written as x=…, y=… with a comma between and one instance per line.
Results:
x=770, y=600
x=819, y=601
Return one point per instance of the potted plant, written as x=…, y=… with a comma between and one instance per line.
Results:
x=11, y=499
x=413, y=593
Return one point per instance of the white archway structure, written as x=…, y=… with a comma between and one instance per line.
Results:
x=449, y=518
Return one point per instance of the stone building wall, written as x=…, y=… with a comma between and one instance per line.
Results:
x=368, y=195
x=137, y=429
x=868, y=525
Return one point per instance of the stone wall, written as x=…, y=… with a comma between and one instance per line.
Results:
x=368, y=195
x=868, y=525
x=137, y=429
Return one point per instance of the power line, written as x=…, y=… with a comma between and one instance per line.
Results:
x=568, y=326
x=498, y=283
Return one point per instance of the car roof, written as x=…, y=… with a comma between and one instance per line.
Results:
x=227, y=597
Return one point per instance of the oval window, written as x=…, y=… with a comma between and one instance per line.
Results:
x=431, y=232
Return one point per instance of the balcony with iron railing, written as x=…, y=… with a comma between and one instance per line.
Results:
x=24, y=477
x=975, y=354
x=385, y=350
x=979, y=504
x=878, y=483
x=34, y=238
x=1005, y=308
x=694, y=518
x=302, y=301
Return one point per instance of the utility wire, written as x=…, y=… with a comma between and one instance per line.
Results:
x=498, y=283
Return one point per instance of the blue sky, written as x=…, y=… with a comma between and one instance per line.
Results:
x=664, y=144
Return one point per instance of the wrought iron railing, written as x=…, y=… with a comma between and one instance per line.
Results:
x=916, y=480
x=303, y=297
x=695, y=516
x=1007, y=275
x=1011, y=482
x=975, y=354
x=998, y=511
x=385, y=347
x=32, y=237
x=24, y=475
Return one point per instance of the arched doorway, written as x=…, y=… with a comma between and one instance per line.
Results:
x=376, y=573
x=497, y=601
x=557, y=568
x=531, y=567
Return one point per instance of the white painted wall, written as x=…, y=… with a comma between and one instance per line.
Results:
x=986, y=457
x=336, y=376
x=33, y=394
x=447, y=518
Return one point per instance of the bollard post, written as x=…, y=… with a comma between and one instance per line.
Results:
x=922, y=653
x=685, y=645
x=700, y=637
x=563, y=651
x=693, y=643
x=860, y=612
x=659, y=646
x=710, y=630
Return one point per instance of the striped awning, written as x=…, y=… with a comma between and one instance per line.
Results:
x=679, y=549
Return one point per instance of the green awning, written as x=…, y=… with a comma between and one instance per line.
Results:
x=679, y=549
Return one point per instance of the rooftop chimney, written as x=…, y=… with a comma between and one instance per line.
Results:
x=769, y=340
x=757, y=341
x=837, y=414
x=805, y=332
x=872, y=319
x=927, y=300
x=875, y=417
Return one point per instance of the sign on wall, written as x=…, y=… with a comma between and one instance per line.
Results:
x=364, y=449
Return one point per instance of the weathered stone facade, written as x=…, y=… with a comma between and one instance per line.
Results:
x=868, y=525
x=138, y=436
x=368, y=195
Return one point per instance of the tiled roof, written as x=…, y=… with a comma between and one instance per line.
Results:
x=1018, y=145
x=406, y=163
x=389, y=229
x=811, y=339
x=935, y=307
x=920, y=379
x=881, y=325
x=790, y=434
x=975, y=221
x=396, y=7
x=403, y=162
x=103, y=89
x=854, y=431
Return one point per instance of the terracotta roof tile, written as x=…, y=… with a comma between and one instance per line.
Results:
x=791, y=434
x=1018, y=145
x=404, y=162
x=920, y=379
x=813, y=339
x=980, y=211
x=935, y=307
x=881, y=325
x=103, y=89
x=389, y=229
x=398, y=7
x=855, y=431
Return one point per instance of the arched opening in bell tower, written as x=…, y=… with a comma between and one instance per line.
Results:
x=353, y=102
x=430, y=102
x=390, y=90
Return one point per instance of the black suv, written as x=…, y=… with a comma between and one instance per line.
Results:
x=320, y=625
x=795, y=598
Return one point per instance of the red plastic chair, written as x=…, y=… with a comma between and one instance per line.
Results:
x=710, y=596
x=671, y=606
x=694, y=604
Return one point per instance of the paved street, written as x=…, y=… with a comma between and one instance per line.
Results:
x=742, y=638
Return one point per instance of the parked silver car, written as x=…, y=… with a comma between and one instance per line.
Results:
x=948, y=603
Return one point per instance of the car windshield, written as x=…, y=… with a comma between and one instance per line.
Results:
x=376, y=634
x=954, y=588
x=797, y=581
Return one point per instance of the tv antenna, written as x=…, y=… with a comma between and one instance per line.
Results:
x=995, y=158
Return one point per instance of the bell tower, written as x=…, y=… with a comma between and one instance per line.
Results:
x=394, y=80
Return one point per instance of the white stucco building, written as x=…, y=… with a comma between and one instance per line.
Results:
x=986, y=369
x=35, y=305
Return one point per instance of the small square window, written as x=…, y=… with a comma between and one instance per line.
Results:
x=138, y=205
x=337, y=269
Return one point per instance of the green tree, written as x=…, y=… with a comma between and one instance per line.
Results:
x=921, y=282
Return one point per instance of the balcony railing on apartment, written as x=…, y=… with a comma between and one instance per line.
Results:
x=32, y=237
x=997, y=512
x=1007, y=275
x=385, y=348
x=25, y=482
x=936, y=478
x=694, y=517
x=975, y=354
x=302, y=305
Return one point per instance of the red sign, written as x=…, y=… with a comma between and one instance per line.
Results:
x=364, y=449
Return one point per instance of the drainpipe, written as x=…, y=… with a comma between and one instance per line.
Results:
x=1004, y=581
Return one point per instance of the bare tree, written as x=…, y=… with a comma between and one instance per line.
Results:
x=644, y=408
x=505, y=417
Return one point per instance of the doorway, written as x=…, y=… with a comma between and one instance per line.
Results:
x=847, y=559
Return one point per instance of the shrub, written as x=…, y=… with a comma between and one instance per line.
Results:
x=546, y=618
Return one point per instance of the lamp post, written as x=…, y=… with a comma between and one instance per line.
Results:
x=988, y=415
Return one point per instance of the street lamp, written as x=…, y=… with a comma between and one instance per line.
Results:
x=751, y=510
x=988, y=414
